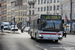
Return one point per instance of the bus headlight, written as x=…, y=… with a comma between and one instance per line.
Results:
x=60, y=35
x=40, y=35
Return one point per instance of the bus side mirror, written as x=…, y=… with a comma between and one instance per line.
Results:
x=63, y=21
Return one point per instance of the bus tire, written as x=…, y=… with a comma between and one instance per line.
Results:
x=56, y=41
x=36, y=38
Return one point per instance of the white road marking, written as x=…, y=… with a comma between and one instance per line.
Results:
x=41, y=47
x=69, y=43
x=66, y=48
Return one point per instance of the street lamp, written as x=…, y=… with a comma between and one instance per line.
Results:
x=13, y=13
x=71, y=16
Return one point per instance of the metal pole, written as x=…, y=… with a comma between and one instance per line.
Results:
x=54, y=9
x=14, y=19
x=14, y=24
x=47, y=9
x=71, y=17
x=29, y=20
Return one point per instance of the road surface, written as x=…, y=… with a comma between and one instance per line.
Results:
x=22, y=41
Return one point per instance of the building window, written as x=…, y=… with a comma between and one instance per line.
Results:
x=44, y=8
x=54, y=7
x=50, y=8
x=57, y=7
x=47, y=1
x=33, y=5
x=44, y=1
x=61, y=7
x=21, y=13
x=54, y=1
x=65, y=7
x=38, y=2
x=47, y=8
x=41, y=8
x=41, y=1
x=57, y=1
x=50, y=1
x=38, y=9
x=30, y=6
x=33, y=12
x=29, y=12
x=19, y=19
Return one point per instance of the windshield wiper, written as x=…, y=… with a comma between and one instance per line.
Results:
x=54, y=24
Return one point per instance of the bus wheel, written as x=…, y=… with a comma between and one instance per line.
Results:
x=56, y=41
x=31, y=36
x=36, y=38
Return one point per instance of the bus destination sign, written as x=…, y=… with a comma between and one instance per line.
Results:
x=50, y=17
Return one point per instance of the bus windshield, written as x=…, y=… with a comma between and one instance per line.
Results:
x=50, y=25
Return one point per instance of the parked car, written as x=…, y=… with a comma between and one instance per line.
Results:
x=9, y=27
x=12, y=28
x=6, y=25
x=27, y=29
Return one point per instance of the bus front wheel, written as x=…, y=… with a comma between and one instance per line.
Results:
x=31, y=36
x=36, y=38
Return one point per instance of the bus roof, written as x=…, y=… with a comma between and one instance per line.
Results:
x=47, y=16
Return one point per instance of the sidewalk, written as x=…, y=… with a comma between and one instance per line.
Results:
x=10, y=32
x=70, y=33
x=69, y=38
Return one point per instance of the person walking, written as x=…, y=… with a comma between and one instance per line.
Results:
x=22, y=30
x=65, y=33
x=2, y=28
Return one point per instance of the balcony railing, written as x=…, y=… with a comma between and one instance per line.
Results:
x=31, y=2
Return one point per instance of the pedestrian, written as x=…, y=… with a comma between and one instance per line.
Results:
x=2, y=28
x=65, y=33
x=22, y=30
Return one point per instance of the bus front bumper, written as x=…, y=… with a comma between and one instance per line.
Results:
x=50, y=38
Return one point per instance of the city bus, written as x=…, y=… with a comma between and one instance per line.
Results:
x=46, y=27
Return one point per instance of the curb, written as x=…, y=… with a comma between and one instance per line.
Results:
x=70, y=33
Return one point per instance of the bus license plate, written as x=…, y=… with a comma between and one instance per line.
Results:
x=49, y=37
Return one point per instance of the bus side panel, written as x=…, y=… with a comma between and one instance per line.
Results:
x=35, y=28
